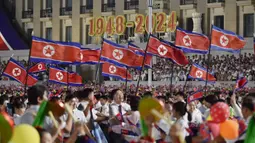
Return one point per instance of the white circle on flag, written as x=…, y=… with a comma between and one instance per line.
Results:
x=117, y=54
x=59, y=76
x=112, y=69
x=186, y=40
x=48, y=51
x=16, y=72
x=224, y=40
x=81, y=56
x=162, y=50
x=40, y=66
x=199, y=74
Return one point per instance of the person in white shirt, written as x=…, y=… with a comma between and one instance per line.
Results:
x=3, y=102
x=97, y=105
x=78, y=115
x=209, y=101
x=117, y=110
x=118, y=106
x=85, y=104
x=103, y=112
x=195, y=114
x=180, y=97
x=19, y=109
x=36, y=95
x=130, y=129
x=179, y=110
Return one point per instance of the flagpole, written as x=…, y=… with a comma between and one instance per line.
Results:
x=186, y=81
x=30, y=45
x=150, y=3
x=68, y=76
x=240, y=63
x=171, y=80
x=140, y=72
x=126, y=82
x=208, y=62
x=98, y=64
x=48, y=66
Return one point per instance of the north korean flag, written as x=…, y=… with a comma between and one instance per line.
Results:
x=240, y=83
x=195, y=96
x=191, y=42
x=136, y=49
x=167, y=50
x=74, y=79
x=17, y=72
x=39, y=67
x=117, y=54
x=198, y=72
x=31, y=80
x=89, y=56
x=4, y=45
x=47, y=51
x=58, y=75
x=140, y=55
x=224, y=40
x=111, y=70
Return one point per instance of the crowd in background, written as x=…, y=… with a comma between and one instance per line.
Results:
x=225, y=68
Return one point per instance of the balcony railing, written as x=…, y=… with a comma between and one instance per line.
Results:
x=215, y=1
x=27, y=14
x=46, y=12
x=65, y=11
x=86, y=9
x=160, y=6
x=187, y=2
x=108, y=7
x=131, y=5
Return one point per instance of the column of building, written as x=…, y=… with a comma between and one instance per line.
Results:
x=55, y=20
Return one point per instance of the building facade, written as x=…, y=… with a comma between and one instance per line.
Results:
x=68, y=20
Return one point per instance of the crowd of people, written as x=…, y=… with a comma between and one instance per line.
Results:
x=225, y=68
x=117, y=115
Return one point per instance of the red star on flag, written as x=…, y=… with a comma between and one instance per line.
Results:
x=162, y=50
x=187, y=41
x=224, y=40
x=118, y=54
x=16, y=71
x=198, y=74
x=112, y=69
x=59, y=75
x=48, y=51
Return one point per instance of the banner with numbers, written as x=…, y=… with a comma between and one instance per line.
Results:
x=111, y=25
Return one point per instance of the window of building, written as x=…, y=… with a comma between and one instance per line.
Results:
x=30, y=31
x=49, y=33
x=48, y=3
x=219, y=21
x=88, y=38
x=248, y=25
x=68, y=33
x=130, y=31
x=30, y=4
x=89, y=2
x=68, y=3
x=110, y=1
x=189, y=24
